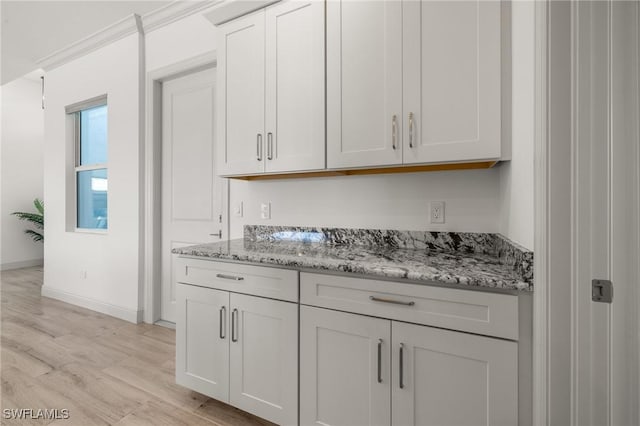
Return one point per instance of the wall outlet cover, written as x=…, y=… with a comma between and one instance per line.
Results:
x=265, y=211
x=436, y=212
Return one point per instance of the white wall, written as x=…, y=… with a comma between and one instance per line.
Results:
x=100, y=271
x=181, y=40
x=22, y=144
x=394, y=201
x=516, y=176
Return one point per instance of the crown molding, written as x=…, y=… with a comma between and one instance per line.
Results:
x=232, y=9
x=174, y=11
x=114, y=32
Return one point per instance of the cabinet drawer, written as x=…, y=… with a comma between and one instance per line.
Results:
x=281, y=284
x=491, y=314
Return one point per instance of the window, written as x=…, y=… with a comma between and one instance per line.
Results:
x=91, y=181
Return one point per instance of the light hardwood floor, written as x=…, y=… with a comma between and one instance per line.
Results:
x=105, y=371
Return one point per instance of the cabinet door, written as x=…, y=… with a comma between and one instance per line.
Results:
x=451, y=80
x=364, y=83
x=295, y=131
x=448, y=378
x=264, y=358
x=344, y=368
x=202, y=340
x=241, y=97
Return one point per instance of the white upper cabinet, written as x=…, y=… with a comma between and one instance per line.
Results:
x=413, y=82
x=451, y=82
x=272, y=99
x=242, y=88
x=364, y=83
x=295, y=131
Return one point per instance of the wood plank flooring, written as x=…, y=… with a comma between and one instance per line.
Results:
x=105, y=371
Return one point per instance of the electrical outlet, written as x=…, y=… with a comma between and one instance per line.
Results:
x=265, y=211
x=436, y=214
x=238, y=209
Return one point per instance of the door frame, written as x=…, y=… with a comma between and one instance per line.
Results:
x=555, y=370
x=153, y=178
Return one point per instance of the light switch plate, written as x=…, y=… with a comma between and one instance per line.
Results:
x=238, y=209
x=436, y=212
x=265, y=211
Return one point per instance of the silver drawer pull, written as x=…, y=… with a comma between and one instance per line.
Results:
x=229, y=277
x=395, y=302
x=401, y=372
x=380, y=360
x=223, y=319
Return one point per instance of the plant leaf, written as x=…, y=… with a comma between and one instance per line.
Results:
x=36, y=218
x=35, y=236
x=39, y=204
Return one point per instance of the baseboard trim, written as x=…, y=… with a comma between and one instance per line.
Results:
x=131, y=315
x=21, y=264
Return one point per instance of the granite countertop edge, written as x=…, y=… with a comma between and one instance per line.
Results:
x=476, y=272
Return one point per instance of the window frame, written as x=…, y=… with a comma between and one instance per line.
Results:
x=74, y=111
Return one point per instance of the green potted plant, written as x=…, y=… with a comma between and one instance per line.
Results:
x=36, y=218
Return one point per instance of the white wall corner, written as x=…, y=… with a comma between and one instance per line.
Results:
x=174, y=11
x=127, y=314
x=114, y=32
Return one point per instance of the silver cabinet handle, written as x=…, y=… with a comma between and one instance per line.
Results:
x=410, y=130
x=234, y=320
x=229, y=277
x=259, y=146
x=394, y=131
x=380, y=360
x=401, y=373
x=395, y=302
x=223, y=319
x=269, y=146
x=217, y=234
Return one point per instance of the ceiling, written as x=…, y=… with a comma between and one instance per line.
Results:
x=31, y=30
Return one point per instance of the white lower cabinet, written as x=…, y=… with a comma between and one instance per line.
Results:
x=264, y=358
x=345, y=362
x=202, y=346
x=448, y=378
x=360, y=370
x=239, y=349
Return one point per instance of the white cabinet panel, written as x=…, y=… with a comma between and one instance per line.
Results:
x=202, y=343
x=264, y=358
x=295, y=125
x=241, y=61
x=491, y=314
x=447, y=378
x=344, y=379
x=364, y=83
x=451, y=82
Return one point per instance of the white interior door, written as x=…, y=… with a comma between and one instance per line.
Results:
x=192, y=194
x=607, y=213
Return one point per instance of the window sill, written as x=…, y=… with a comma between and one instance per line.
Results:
x=90, y=231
